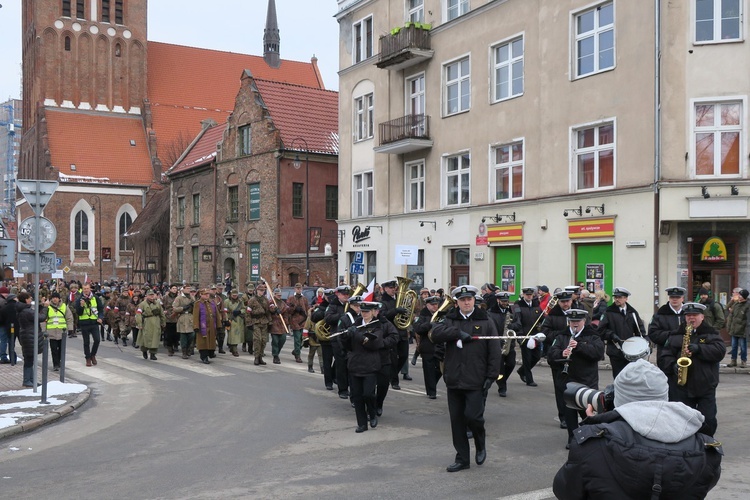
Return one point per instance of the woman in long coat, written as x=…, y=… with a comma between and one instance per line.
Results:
x=206, y=322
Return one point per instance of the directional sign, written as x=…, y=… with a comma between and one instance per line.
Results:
x=357, y=268
x=37, y=193
x=26, y=262
x=359, y=257
x=27, y=234
x=7, y=251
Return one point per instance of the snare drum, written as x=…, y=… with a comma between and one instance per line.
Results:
x=635, y=348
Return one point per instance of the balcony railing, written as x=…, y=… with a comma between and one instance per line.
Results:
x=408, y=46
x=406, y=127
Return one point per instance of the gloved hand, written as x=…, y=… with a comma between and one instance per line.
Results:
x=401, y=310
x=487, y=384
x=351, y=330
x=236, y=313
x=615, y=338
x=694, y=349
x=465, y=337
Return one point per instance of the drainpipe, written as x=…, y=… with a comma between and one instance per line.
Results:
x=657, y=145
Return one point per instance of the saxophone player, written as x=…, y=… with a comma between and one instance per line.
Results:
x=503, y=316
x=705, y=349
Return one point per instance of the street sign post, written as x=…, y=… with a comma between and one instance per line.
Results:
x=356, y=268
x=37, y=193
x=27, y=263
x=7, y=251
x=28, y=237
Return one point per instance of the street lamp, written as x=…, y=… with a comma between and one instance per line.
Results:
x=297, y=164
x=98, y=232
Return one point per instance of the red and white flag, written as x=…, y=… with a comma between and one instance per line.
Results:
x=369, y=294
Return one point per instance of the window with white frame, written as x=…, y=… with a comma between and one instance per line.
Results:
x=416, y=10
x=595, y=40
x=364, y=117
x=125, y=222
x=81, y=231
x=507, y=171
x=415, y=104
x=363, y=194
x=455, y=8
x=718, y=20
x=458, y=180
x=594, y=156
x=363, y=39
x=457, y=86
x=415, y=186
x=717, y=132
x=244, y=142
x=508, y=69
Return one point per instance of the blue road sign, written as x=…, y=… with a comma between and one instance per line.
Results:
x=356, y=268
x=359, y=258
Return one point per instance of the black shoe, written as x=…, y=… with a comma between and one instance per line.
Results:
x=563, y=424
x=379, y=412
x=4, y=361
x=212, y=354
x=276, y=360
x=222, y=351
x=432, y=396
x=135, y=346
x=457, y=466
x=567, y=446
x=531, y=384
x=481, y=456
x=374, y=422
x=310, y=369
x=56, y=369
x=329, y=387
x=360, y=428
x=407, y=376
x=343, y=395
x=395, y=387
x=117, y=342
x=523, y=377
x=206, y=361
x=145, y=354
x=502, y=392
x=124, y=342
x=153, y=356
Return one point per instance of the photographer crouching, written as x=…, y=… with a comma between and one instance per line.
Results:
x=646, y=447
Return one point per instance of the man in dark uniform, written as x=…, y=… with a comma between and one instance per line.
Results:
x=666, y=321
x=326, y=351
x=576, y=350
x=430, y=365
x=526, y=313
x=390, y=311
x=471, y=366
x=334, y=313
x=504, y=316
x=554, y=322
x=619, y=322
x=705, y=350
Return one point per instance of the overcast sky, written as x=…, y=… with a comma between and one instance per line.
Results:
x=307, y=28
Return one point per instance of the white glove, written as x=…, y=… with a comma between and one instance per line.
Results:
x=531, y=344
x=540, y=337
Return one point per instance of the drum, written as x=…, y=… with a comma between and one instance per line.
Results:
x=635, y=348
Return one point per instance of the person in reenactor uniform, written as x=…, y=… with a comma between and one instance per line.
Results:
x=105, y=295
x=471, y=367
x=206, y=322
x=348, y=319
x=171, y=337
x=234, y=311
x=430, y=365
x=334, y=312
x=151, y=320
x=666, y=321
x=278, y=327
x=526, y=312
x=296, y=315
x=183, y=307
x=124, y=316
x=619, y=322
x=576, y=352
x=218, y=298
x=389, y=311
x=260, y=312
x=136, y=299
x=59, y=323
x=110, y=315
x=705, y=350
x=247, y=345
x=503, y=318
x=556, y=321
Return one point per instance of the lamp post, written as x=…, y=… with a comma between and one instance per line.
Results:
x=297, y=164
x=98, y=232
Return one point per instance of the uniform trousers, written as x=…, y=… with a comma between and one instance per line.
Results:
x=432, y=374
x=618, y=363
x=277, y=343
x=260, y=338
x=171, y=337
x=342, y=372
x=89, y=330
x=506, y=368
x=529, y=359
x=311, y=356
x=327, y=350
x=704, y=404
x=383, y=382
x=363, y=397
x=297, y=335
x=402, y=356
x=559, y=387
x=466, y=408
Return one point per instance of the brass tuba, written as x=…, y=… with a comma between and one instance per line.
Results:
x=406, y=298
x=322, y=331
x=358, y=290
x=448, y=302
x=684, y=362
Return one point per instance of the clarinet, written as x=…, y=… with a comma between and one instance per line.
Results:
x=567, y=360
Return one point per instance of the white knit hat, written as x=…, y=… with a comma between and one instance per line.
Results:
x=640, y=381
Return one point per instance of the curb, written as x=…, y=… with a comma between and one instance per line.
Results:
x=48, y=418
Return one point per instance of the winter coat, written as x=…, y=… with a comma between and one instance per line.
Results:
x=234, y=311
x=422, y=327
x=296, y=313
x=714, y=314
x=583, y=363
x=183, y=306
x=553, y=323
x=260, y=310
x=622, y=454
x=363, y=357
x=737, y=319
x=168, y=304
x=662, y=325
x=703, y=373
x=524, y=316
x=468, y=366
x=614, y=323
x=150, y=320
x=206, y=322
x=277, y=313
x=25, y=315
x=389, y=312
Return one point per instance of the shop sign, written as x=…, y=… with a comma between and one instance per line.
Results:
x=504, y=232
x=714, y=250
x=591, y=228
x=359, y=234
x=482, y=241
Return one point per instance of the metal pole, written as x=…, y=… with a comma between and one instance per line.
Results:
x=307, y=216
x=37, y=263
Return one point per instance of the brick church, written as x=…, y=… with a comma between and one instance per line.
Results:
x=106, y=112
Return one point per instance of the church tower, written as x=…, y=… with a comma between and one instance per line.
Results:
x=271, y=38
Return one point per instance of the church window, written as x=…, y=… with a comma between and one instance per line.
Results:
x=82, y=231
x=105, y=11
x=118, y=12
x=81, y=9
x=118, y=50
x=67, y=44
x=66, y=8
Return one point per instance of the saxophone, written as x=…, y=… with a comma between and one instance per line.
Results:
x=684, y=362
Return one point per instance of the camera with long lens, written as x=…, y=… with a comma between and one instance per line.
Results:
x=578, y=397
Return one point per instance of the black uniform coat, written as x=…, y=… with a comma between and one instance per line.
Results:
x=364, y=357
x=468, y=367
x=614, y=323
x=422, y=326
x=334, y=312
x=663, y=324
x=583, y=363
x=389, y=312
x=553, y=323
x=524, y=316
x=703, y=374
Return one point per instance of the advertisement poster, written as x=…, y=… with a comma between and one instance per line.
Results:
x=594, y=277
x=508, y=280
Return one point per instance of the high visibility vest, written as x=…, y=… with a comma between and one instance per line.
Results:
x=90, y=311
x=56, y=318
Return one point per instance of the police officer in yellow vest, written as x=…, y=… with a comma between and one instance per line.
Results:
x=59, y=322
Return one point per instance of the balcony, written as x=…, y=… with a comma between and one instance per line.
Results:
x=404, y=47
x=404, y=135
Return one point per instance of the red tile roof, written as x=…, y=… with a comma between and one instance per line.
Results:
x=304, y=112
x=99, y=145
x=204, y=151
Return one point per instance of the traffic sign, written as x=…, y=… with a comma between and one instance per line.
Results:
x=357, y=268
x=27, y=263
x=37, y=193
x=7, y=251
x=27, y=234
x=359, y=258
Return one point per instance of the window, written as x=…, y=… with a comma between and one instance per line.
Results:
x=180, y=263
x=416, y=10
x=253, y=195
x=181, y=211
x=243, y=134
x=457, y=180
x=196, y=261
x=82, y=231
x=415, y=186
x=363, y=107
x=457, y=87
x=363, y=42
x=332, y=202
x=363, y=194
x=415, y=99
x=595, y=156
x=297, y=199
x=456, y=8
x=67, y=44
x=595, y=40
x=718, y=20
x=507, y=171
x=233, y=197
x=66, y=8
x=118, y=12
x=118, y=50
x=105, y=11
x=717, y=133
x=81, y=9
x=196, y=209
x=508, y=70
x=125, y=222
